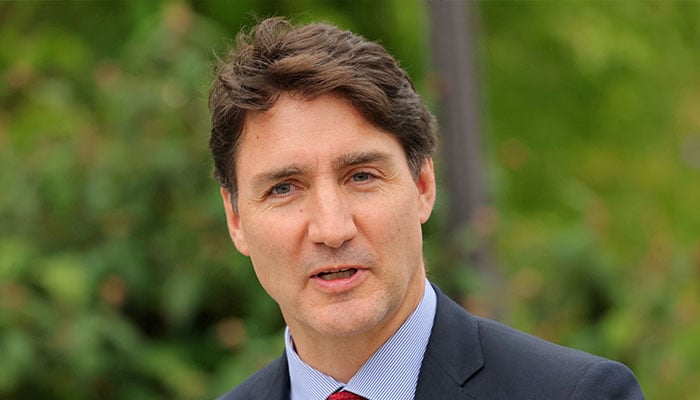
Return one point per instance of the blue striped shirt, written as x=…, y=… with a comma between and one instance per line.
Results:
x=390, y=374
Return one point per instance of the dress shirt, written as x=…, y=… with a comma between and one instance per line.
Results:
x=390, y=374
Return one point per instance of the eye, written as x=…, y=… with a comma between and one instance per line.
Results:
x=361, y=177
x=281, y=189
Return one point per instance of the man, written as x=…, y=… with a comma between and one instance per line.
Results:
x=323, y=151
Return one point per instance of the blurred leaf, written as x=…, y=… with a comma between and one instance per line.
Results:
x=66, y=280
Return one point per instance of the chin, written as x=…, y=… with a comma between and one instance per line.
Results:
x=341, y=323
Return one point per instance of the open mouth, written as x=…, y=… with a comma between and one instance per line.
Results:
x=337, y=274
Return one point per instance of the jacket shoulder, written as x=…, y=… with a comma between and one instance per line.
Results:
x=269, y=383
x=469, y=357
x=516, y=362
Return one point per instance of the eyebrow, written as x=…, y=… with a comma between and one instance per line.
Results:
x=352, y=159
x=266, y=178
x=344, y=161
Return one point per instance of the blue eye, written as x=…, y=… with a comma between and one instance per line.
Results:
x=361, y=177
x=281, y=189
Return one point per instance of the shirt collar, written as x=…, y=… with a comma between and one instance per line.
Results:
x=392, y=371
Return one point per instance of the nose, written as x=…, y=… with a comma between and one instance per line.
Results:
x=331, y=220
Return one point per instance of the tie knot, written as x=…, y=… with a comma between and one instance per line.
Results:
x=345, y=396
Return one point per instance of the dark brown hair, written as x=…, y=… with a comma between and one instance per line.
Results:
x=275, y=58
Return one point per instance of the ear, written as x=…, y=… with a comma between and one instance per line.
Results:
x=426, y=190
x=233, y=221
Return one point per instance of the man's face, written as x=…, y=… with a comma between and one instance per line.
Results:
x=330, y=215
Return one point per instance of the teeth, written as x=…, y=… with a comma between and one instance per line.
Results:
x=329, y=276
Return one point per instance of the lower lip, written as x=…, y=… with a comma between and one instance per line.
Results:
x=341, y=284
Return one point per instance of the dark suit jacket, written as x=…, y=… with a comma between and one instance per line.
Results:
x=477, y=359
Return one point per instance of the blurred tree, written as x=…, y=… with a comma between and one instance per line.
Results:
x=456, y=72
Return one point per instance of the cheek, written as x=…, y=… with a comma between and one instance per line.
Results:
x=271, y=243
x=393, y=226
x=270, y=235
x=273, y=270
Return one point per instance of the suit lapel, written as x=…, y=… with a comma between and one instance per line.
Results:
x=275, y=384
x=453, y=354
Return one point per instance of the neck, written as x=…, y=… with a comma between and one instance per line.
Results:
x=340, y=357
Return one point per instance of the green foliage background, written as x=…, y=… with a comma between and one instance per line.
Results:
x=117, y=277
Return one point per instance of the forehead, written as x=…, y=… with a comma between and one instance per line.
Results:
x=299, y=130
